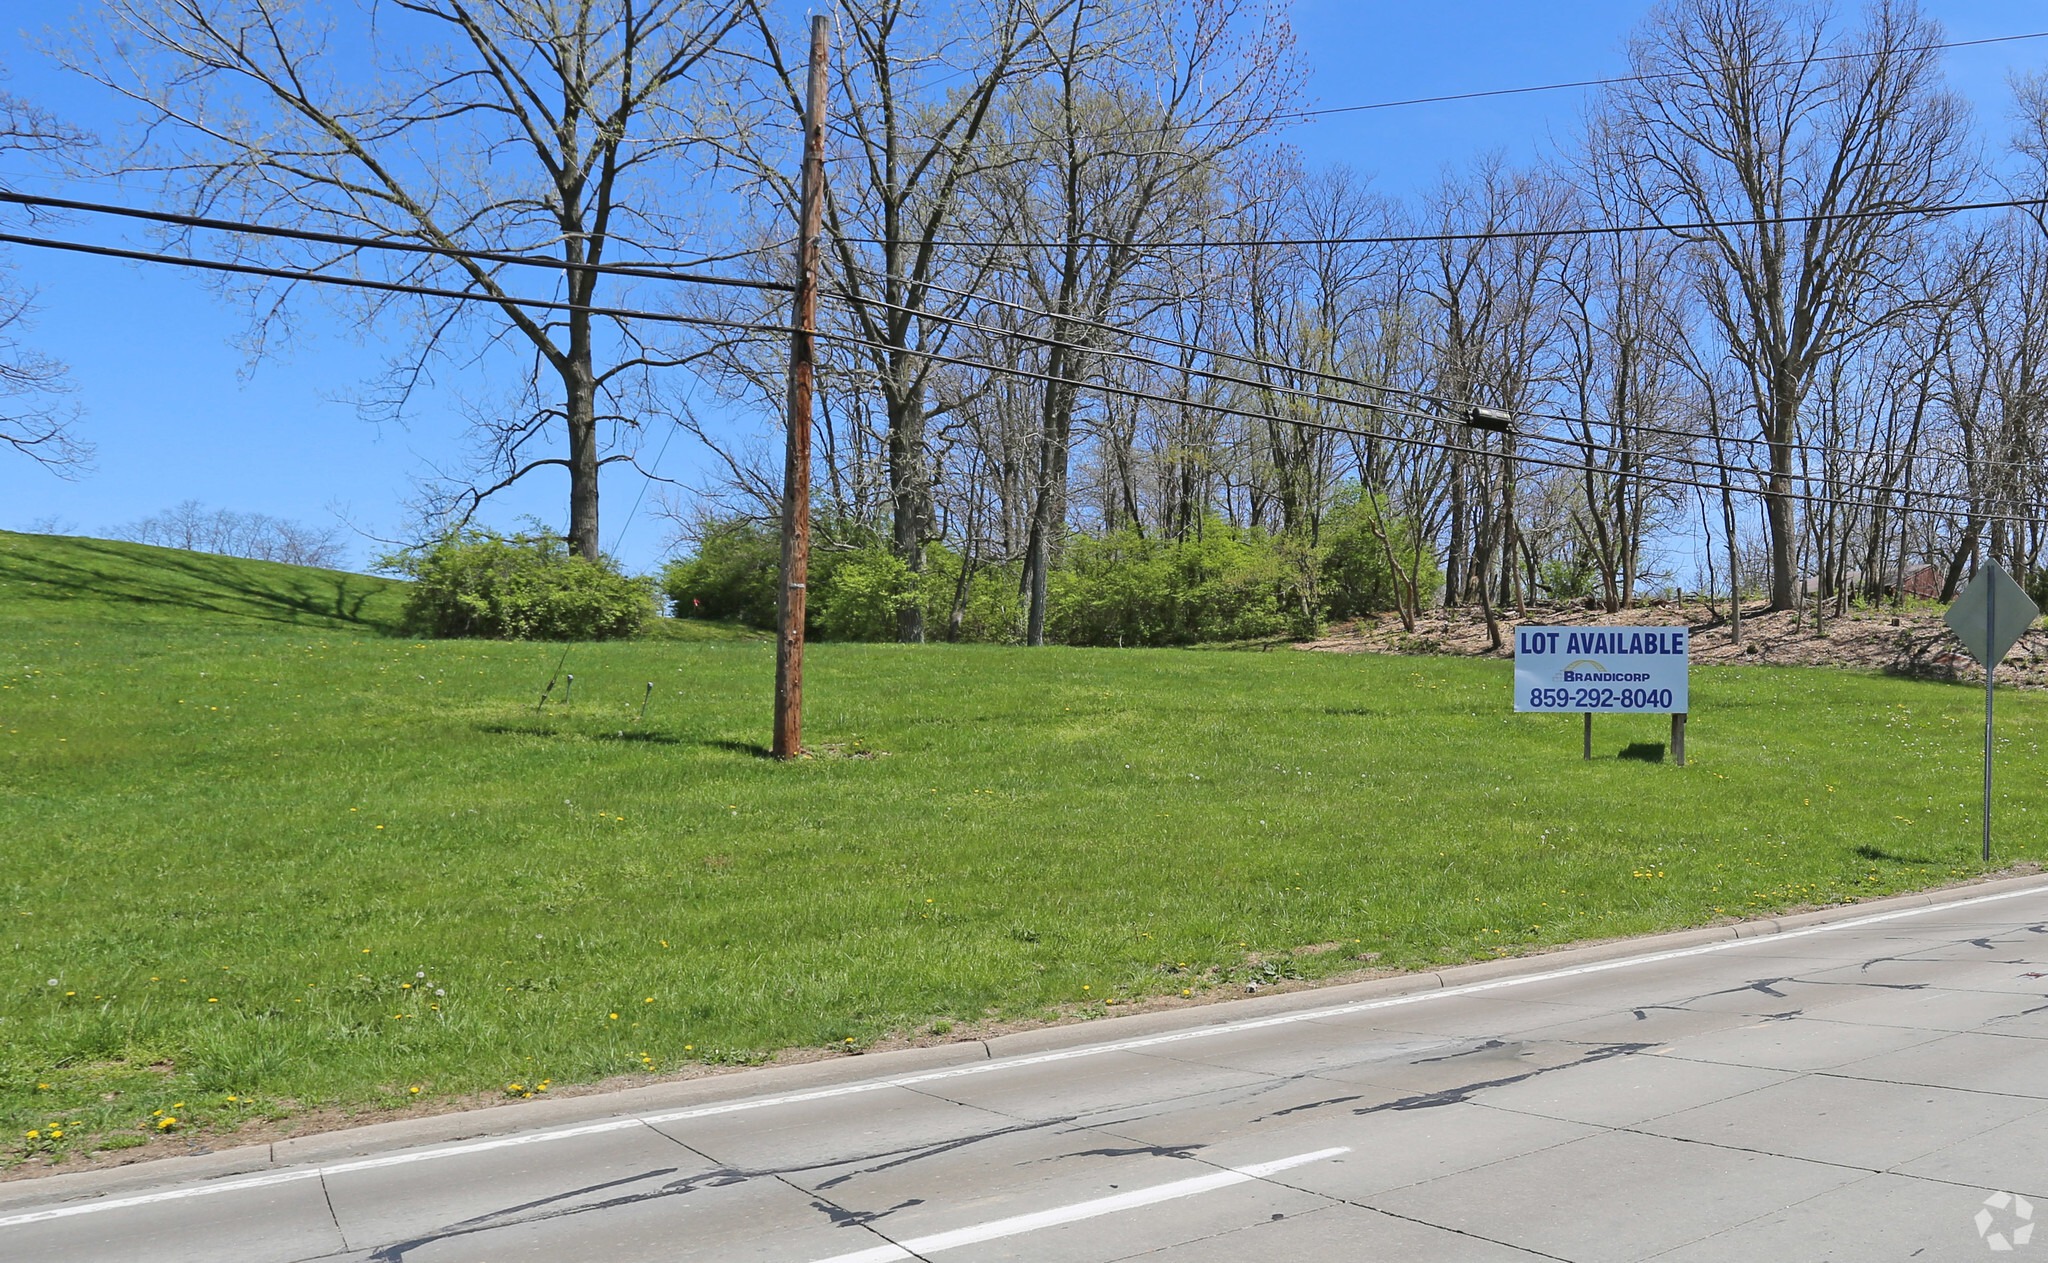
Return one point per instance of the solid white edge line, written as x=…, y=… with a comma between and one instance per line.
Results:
x=975, y=1234
x=984, y=1067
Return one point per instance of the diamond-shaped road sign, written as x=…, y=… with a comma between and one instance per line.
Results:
x=1991, y=614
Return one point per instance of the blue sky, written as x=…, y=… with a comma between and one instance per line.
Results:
x=177, y=413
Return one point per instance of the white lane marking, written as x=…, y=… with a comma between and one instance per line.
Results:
x=294, y=1174
x=917, y=1247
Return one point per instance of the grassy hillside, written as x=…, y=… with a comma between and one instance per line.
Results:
x=47, y=580
x=262, y=856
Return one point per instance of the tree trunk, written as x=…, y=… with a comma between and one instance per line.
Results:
x=1482, y=567
x=1048, y=508
x=1779, y=510
x=580, y=409
x=1966, y=554
x=909, y=503
x=1454, y=567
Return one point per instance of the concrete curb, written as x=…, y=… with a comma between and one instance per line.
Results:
x=540, y=1114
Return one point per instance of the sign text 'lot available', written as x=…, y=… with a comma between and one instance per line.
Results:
x=1605, y=669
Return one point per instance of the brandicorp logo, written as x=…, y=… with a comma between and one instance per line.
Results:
x=1578, y=671
x=2015, y=1209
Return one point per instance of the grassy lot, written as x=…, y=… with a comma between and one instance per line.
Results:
x=262, y=856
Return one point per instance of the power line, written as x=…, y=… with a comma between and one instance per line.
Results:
x=1437, y=398
x=650, y=270
x=1600, y=83
x=1100, y=387
x=391, y=287
x=1434, y=445
x=1288, y=117
x=1513, y=234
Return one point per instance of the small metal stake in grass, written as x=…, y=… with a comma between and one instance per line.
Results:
x=552, y=677
x=649, y=696
x=568, y=688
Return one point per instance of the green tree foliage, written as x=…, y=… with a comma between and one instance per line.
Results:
x=528, y=586
x=1223, y=583
x=1361, y=542
x=732, y=576
x=855, y=593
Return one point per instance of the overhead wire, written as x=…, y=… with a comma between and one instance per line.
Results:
x=665, y=272
x=672, y=272
x=507, y=300
x=1612, y=79
x=393, y=287
x=1515, y=234
x=1808, y=497
x=653, y=270
x=1436, y=397
x=1290, y=117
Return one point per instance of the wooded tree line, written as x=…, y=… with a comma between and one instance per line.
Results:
x=1078, y=287
x=1093, y=293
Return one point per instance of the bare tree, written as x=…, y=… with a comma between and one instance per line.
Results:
x=1815, y=154
x=913, y=89
x=193, y=526
x=555, y=129
x=34, y=418
x=1116, y=147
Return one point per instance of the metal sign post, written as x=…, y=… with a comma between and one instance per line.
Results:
x=1606, y=670
x=1991, y=614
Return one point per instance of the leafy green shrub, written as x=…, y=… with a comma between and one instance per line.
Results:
x=991, y=606
x=732, y=577
x=1357, y=577
x=1567, y=579
x=853, y=593
x=856, y=594
x=518, y=587
x=2035, y=583
x=1222, y=584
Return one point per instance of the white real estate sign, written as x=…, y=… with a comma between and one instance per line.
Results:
x=1609, y=670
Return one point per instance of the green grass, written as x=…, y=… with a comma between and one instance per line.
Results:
x=240, y=819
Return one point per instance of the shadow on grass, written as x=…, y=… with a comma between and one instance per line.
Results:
x=171, y=579
x=741, y=747
x=1870, y=852
x=1643, y=751
x=543, y=728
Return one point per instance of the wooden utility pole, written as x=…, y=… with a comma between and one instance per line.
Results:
x=796, y=470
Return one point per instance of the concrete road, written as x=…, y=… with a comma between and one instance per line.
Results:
x=1870, y=1086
